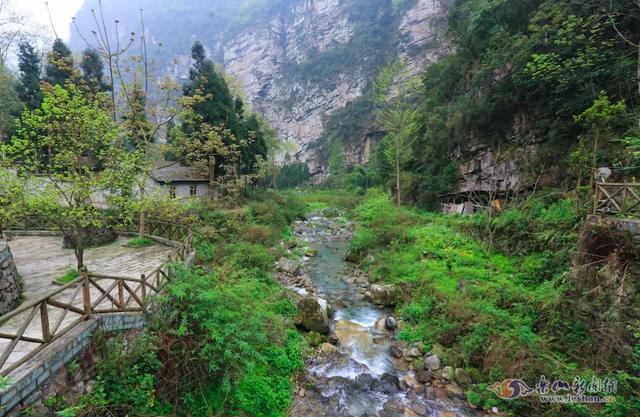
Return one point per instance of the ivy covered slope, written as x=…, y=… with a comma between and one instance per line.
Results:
x=498, y=297
x=221, y=339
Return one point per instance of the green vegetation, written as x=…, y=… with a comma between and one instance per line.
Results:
x=500, y=311
x=69, y=276
x=221, y=339
x=140, y=242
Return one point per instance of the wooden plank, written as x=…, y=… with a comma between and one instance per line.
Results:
x=19, y=334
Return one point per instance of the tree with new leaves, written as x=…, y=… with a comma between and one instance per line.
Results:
x=59, y=68
x=86, y=173
x=11, y=196
x=396, y=114
x=599, y=122
x=30, y=68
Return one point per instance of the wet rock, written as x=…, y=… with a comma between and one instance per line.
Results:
x=313, y=314
x=408, y=382
x=396, y=351
x=418, y=408
x=386, y=295
x=413, y=353
x=387, y=384
x=448, y=414
x=392, y=408
x=432, y=362
x=333, y=339
x=447, y=373
x=424, y=375
x=380, y=324
x=391, y=323
x=454, y=390
x=310, y=252
x=379, y=339
x=328, y=348
x=288, y=266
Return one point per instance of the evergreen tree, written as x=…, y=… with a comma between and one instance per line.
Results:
x=135, y=121
x=29, y=86
x=59, y=64
x=11, y=105
x=217, y=107
x=93, y=70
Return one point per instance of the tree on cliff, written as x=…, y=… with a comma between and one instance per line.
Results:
x=86, y=173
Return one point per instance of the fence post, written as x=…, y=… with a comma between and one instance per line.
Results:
x=44, y=321
x=143, y=295
x=86, y=291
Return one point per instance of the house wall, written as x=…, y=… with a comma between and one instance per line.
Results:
x=182, y=188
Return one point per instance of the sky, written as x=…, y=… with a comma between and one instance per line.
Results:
x=61, y=13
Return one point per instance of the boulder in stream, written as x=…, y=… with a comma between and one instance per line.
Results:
x=312, y=314
x=391, y=323
x=288, y=266
x=386, y=295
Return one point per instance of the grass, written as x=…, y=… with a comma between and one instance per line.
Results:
x=497, y=311
x=68, y=277
x=139, y=242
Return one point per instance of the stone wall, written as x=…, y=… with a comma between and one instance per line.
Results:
x=10, y=284
x=63, y=371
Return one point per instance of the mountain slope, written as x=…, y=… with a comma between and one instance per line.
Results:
x=299, y=61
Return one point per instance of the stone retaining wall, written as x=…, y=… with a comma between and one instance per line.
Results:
x=10, y=284
x=49, y=374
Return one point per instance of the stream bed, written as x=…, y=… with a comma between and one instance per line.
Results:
x=355, y=374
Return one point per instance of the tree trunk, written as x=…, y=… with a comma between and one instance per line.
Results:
x=79, y=256
x=399, y=202
x=142, y=219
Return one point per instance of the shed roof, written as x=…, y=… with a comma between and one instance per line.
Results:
x=176, y=172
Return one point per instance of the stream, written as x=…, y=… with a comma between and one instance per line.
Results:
x=355, y=374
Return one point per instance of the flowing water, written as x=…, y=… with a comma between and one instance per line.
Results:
x=361, y=378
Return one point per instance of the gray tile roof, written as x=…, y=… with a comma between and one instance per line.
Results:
x=176, y=172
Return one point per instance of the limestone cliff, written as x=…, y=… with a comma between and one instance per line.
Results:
x=264, y=58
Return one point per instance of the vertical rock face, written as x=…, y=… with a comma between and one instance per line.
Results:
x=261, y=58
x=10, y=287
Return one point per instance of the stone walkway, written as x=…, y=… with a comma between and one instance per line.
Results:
x=41, y=260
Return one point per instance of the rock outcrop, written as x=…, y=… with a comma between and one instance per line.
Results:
x=10, y=285
x=260, y=57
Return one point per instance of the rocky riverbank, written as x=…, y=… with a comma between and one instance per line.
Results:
x=359, y=367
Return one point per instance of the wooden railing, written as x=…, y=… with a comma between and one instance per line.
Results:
x=617, y=199
x=33, y=326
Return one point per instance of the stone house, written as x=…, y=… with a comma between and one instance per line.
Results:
x=179, y=181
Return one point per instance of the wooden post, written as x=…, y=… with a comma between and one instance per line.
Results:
x=121, y=293
x=86, y=291
x=44, y=321
x=143, y=290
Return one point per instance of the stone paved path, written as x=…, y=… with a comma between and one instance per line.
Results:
x=41, y=259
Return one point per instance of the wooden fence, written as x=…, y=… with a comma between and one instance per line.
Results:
x=617, y=199
x=33, y=326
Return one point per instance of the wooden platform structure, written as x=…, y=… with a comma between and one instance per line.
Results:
x=37, y=323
